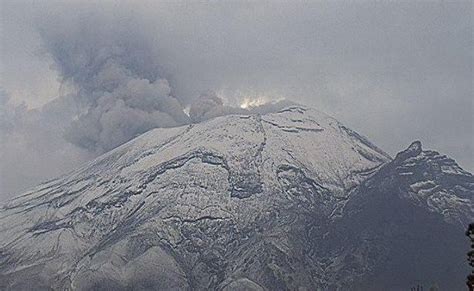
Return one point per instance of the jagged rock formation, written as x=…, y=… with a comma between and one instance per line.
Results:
x=285, y=200
x=404, y=224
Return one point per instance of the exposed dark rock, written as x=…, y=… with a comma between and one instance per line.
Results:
x=285, y=201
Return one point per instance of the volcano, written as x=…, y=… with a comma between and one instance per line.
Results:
x=287, y=200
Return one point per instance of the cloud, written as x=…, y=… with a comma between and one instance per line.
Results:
x=32, y=147
x=209, y=105
x=115, y=89
x=395, y=72
x=116, y=77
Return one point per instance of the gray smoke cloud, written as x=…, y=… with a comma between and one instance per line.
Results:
x=105, y=71
x=209, y=105
x=115, y=72
x=116, y=77
x=115, y=90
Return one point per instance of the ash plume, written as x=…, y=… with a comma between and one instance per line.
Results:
x=115, y=74
x=209, y=105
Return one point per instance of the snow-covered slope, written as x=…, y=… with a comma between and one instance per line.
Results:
x=405, y=224
x=239, y=200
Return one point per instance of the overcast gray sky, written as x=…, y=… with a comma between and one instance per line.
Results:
x=393, y=71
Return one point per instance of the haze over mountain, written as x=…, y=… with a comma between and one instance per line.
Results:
x=287, y=199
x=184, y=147
x=81, y=77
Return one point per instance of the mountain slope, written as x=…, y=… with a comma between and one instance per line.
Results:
x=405, y=224
x=256, y=201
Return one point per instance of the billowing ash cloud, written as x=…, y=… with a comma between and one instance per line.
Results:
x=116, y=76
x=128, y=66
x=209, y=105
x=131, y=108
x=118, y=82
x=116, y=91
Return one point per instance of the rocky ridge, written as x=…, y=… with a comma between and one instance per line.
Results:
x=286, y=200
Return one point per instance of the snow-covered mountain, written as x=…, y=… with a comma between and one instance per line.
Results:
x=285, y=200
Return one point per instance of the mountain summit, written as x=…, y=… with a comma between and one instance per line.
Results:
x=290, y=200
